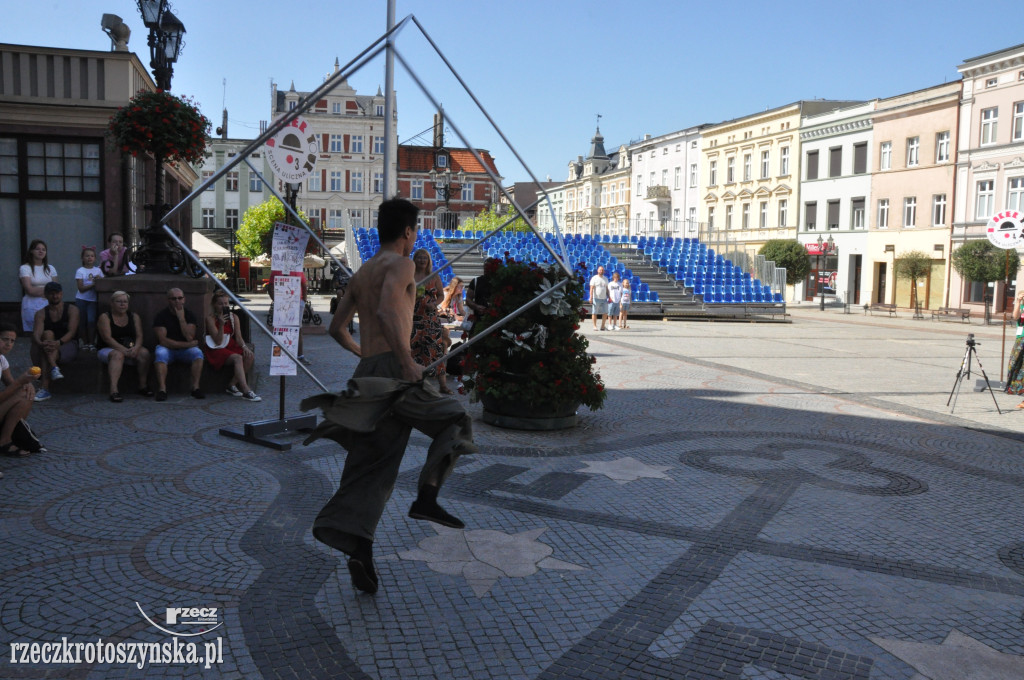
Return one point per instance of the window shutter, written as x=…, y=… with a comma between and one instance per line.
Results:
x=323, y=180
x=327, y=143
x=347, y=172
x=346, y=143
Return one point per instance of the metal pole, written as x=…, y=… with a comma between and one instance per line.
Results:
x=252, y=317
x=1002, y=347
x=389, y=103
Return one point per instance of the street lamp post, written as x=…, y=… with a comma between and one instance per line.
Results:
x=824, y=248
x=445, y=187
x=166, y=33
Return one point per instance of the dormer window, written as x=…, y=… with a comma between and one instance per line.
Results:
x=442, y=160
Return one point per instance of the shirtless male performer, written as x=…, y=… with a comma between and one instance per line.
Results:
x=383, y=291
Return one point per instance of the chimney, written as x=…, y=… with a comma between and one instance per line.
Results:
x=438, y=129
x=223, y=129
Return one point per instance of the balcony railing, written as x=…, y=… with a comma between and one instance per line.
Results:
x=658, y=193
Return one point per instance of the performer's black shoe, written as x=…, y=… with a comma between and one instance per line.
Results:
x=364, y=576
x=432, y=512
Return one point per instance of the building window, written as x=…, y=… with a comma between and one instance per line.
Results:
x=713, y=173
x=664, y=177
x=334, y=219
x=989, y=123
x=639, y=186
x=336, y=108
x=835, y=161
x=356, y=183
x=378, y=182
x=442, y=160
x=291, y=105
x=336, y=144
x=784, y=161
x=1018, y=121
x=255, y=184
x=209, y=218
x=355, y=144
x=833, y=214
x=728, y=216
x=356, y=218
x=811, y=216
x=335, y=180
x=416, y=189
x=991, y=82
x=379, y=110
x=746, y=167
x=942, y=147
x=677, y=178
x=746, y=216
x=651, y=184
x=314, y=217
x=231, y=218
x=730, y=170
x=467, y=191
x=693, y=175
x=812, y=165
x=231, y=181
x=913, y=151
x=207, y=174
x=1015, y=194
x=378, y=145
x=314, y=182
x=885, y=156
x=783, y=213
x=766, y=163
x=860, y=158
x=692, y=217
x=910, y=211
x=857, y=218
x=763, y=222
x=986, y=203
x=883, y=213
x=711, y=219
x=939, y=210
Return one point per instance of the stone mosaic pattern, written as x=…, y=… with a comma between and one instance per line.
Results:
x=707, y=524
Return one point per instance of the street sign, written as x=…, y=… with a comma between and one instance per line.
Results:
x=293, y=151
x=1006, y=230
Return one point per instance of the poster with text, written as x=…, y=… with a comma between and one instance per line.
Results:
x=288, y=248
x=287, y=301
x=280, y=363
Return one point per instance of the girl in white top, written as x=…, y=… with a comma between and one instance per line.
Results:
x=627, y=298
x=85, y=298
x=35, y=273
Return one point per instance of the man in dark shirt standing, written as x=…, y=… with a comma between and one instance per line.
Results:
x=175, y=329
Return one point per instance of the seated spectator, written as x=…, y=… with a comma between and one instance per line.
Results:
x=85, y=298
x=120, y=332
x=17, y=396
x=114, y=260
x=452, y=307
x=175, y=329
x=54, y=337
x=226, y=347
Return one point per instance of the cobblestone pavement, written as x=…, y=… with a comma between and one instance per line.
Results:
x=771, y=501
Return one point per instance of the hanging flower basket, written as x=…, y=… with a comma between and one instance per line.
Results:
x=159, y=123
x=537, y=363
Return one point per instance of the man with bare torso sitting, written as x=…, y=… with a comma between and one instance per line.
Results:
x=383, y=292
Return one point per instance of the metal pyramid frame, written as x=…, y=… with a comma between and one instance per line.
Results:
x=381, y=44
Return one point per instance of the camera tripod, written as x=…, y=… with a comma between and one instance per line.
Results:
x=965, y=372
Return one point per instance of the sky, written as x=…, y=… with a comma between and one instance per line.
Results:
x=544, y=69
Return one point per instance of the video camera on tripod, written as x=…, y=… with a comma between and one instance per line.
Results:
x=965, y=372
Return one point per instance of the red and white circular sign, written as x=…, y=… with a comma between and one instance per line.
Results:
x=293, y=151
x=1006, y=230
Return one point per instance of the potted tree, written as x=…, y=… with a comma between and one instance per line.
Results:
x=534, y=372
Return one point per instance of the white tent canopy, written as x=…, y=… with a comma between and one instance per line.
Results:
x=207, y=249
